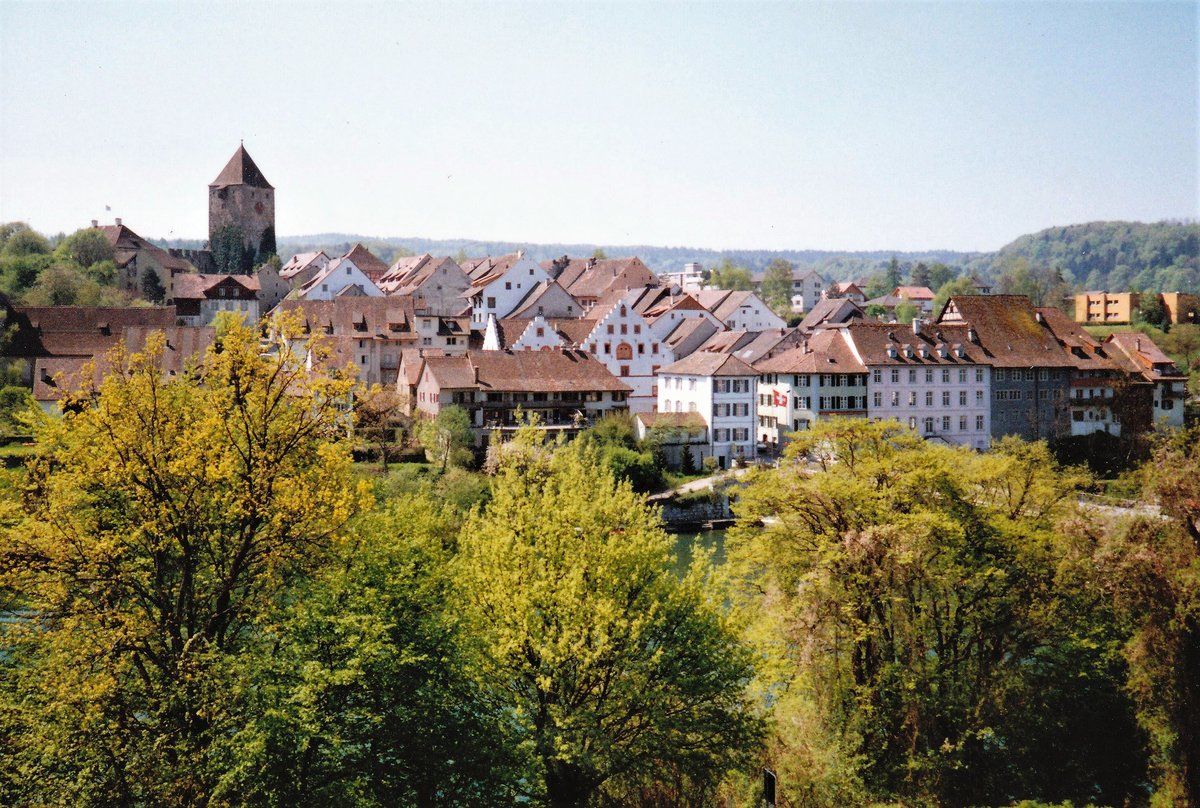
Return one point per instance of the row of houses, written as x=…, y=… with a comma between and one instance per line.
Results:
x=572, y=339
x=983, y=368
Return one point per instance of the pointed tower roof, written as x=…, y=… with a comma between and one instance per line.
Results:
x=241, y=170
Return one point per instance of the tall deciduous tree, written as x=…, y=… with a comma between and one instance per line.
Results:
x=366, y=698
x=617, y=674
x=728, y=276
x=1152, y=310
x=1153, y=573
x=160, y=524
x=777, y=286
x=447, y=438
x=86, y=247
x=931, y=644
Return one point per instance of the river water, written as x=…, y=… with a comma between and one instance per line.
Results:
x=709, y=539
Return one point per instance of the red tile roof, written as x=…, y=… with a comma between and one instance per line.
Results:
x=703, y=363
x=368, y=262
x=827, y=351
x=591, y=278
x=1008, y=330
x=523, y=371
x=80, y=330
x=195, y=286
x=872, y=340
x=127, y=245
x=1138, y=353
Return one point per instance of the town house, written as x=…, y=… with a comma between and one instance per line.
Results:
x=934, y=378
x=1031, y=372
x=723, y=390
x=566, y=390
x=199, y=298
x=821, y=379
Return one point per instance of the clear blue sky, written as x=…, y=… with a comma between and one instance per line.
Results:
x=724, y=125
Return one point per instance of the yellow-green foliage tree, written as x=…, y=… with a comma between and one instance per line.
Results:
x=157, y=529
x=1152, y=570
x=930, y=637
x=624, y=682
x=364, y=698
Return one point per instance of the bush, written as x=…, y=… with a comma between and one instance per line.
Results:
x=638, y=468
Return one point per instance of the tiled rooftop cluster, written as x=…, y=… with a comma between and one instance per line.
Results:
x=573, y=338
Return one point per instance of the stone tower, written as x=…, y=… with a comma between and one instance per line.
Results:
x=241, y=196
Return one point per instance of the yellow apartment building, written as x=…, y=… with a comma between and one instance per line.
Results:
x=1182, y=307
x=1105, y=307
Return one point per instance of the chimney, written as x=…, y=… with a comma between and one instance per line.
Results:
x=118, y=221
x=971, y=335
x=917, y=326
x=1037, y=316
x=95, y=222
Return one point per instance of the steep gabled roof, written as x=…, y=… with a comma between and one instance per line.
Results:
x=591, y=278
x=127, y=244
x=523, y=371
x=706, y=363
x=1138, y=353
x=367, y=261
x=541, y=291
x=1009, y=330
x=302, y=261
x=240, y=170
x=827, y=351
x=687, y=327
x=195, y=286
x=831, y=310
x=872, y=342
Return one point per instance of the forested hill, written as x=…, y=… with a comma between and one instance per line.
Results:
x=1117, y=256
x=1162, y=256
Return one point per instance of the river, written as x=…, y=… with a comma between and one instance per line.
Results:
x=709, y=539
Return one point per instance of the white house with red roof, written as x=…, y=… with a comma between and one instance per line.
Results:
x=340, y=278
x=199, y=298
x=723, y=390
x=502, y=286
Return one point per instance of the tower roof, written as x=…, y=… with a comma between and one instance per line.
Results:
x=241, y=170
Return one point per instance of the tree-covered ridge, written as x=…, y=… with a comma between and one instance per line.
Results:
x=1117, y=256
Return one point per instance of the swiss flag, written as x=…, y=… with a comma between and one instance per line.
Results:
x=779, y=398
